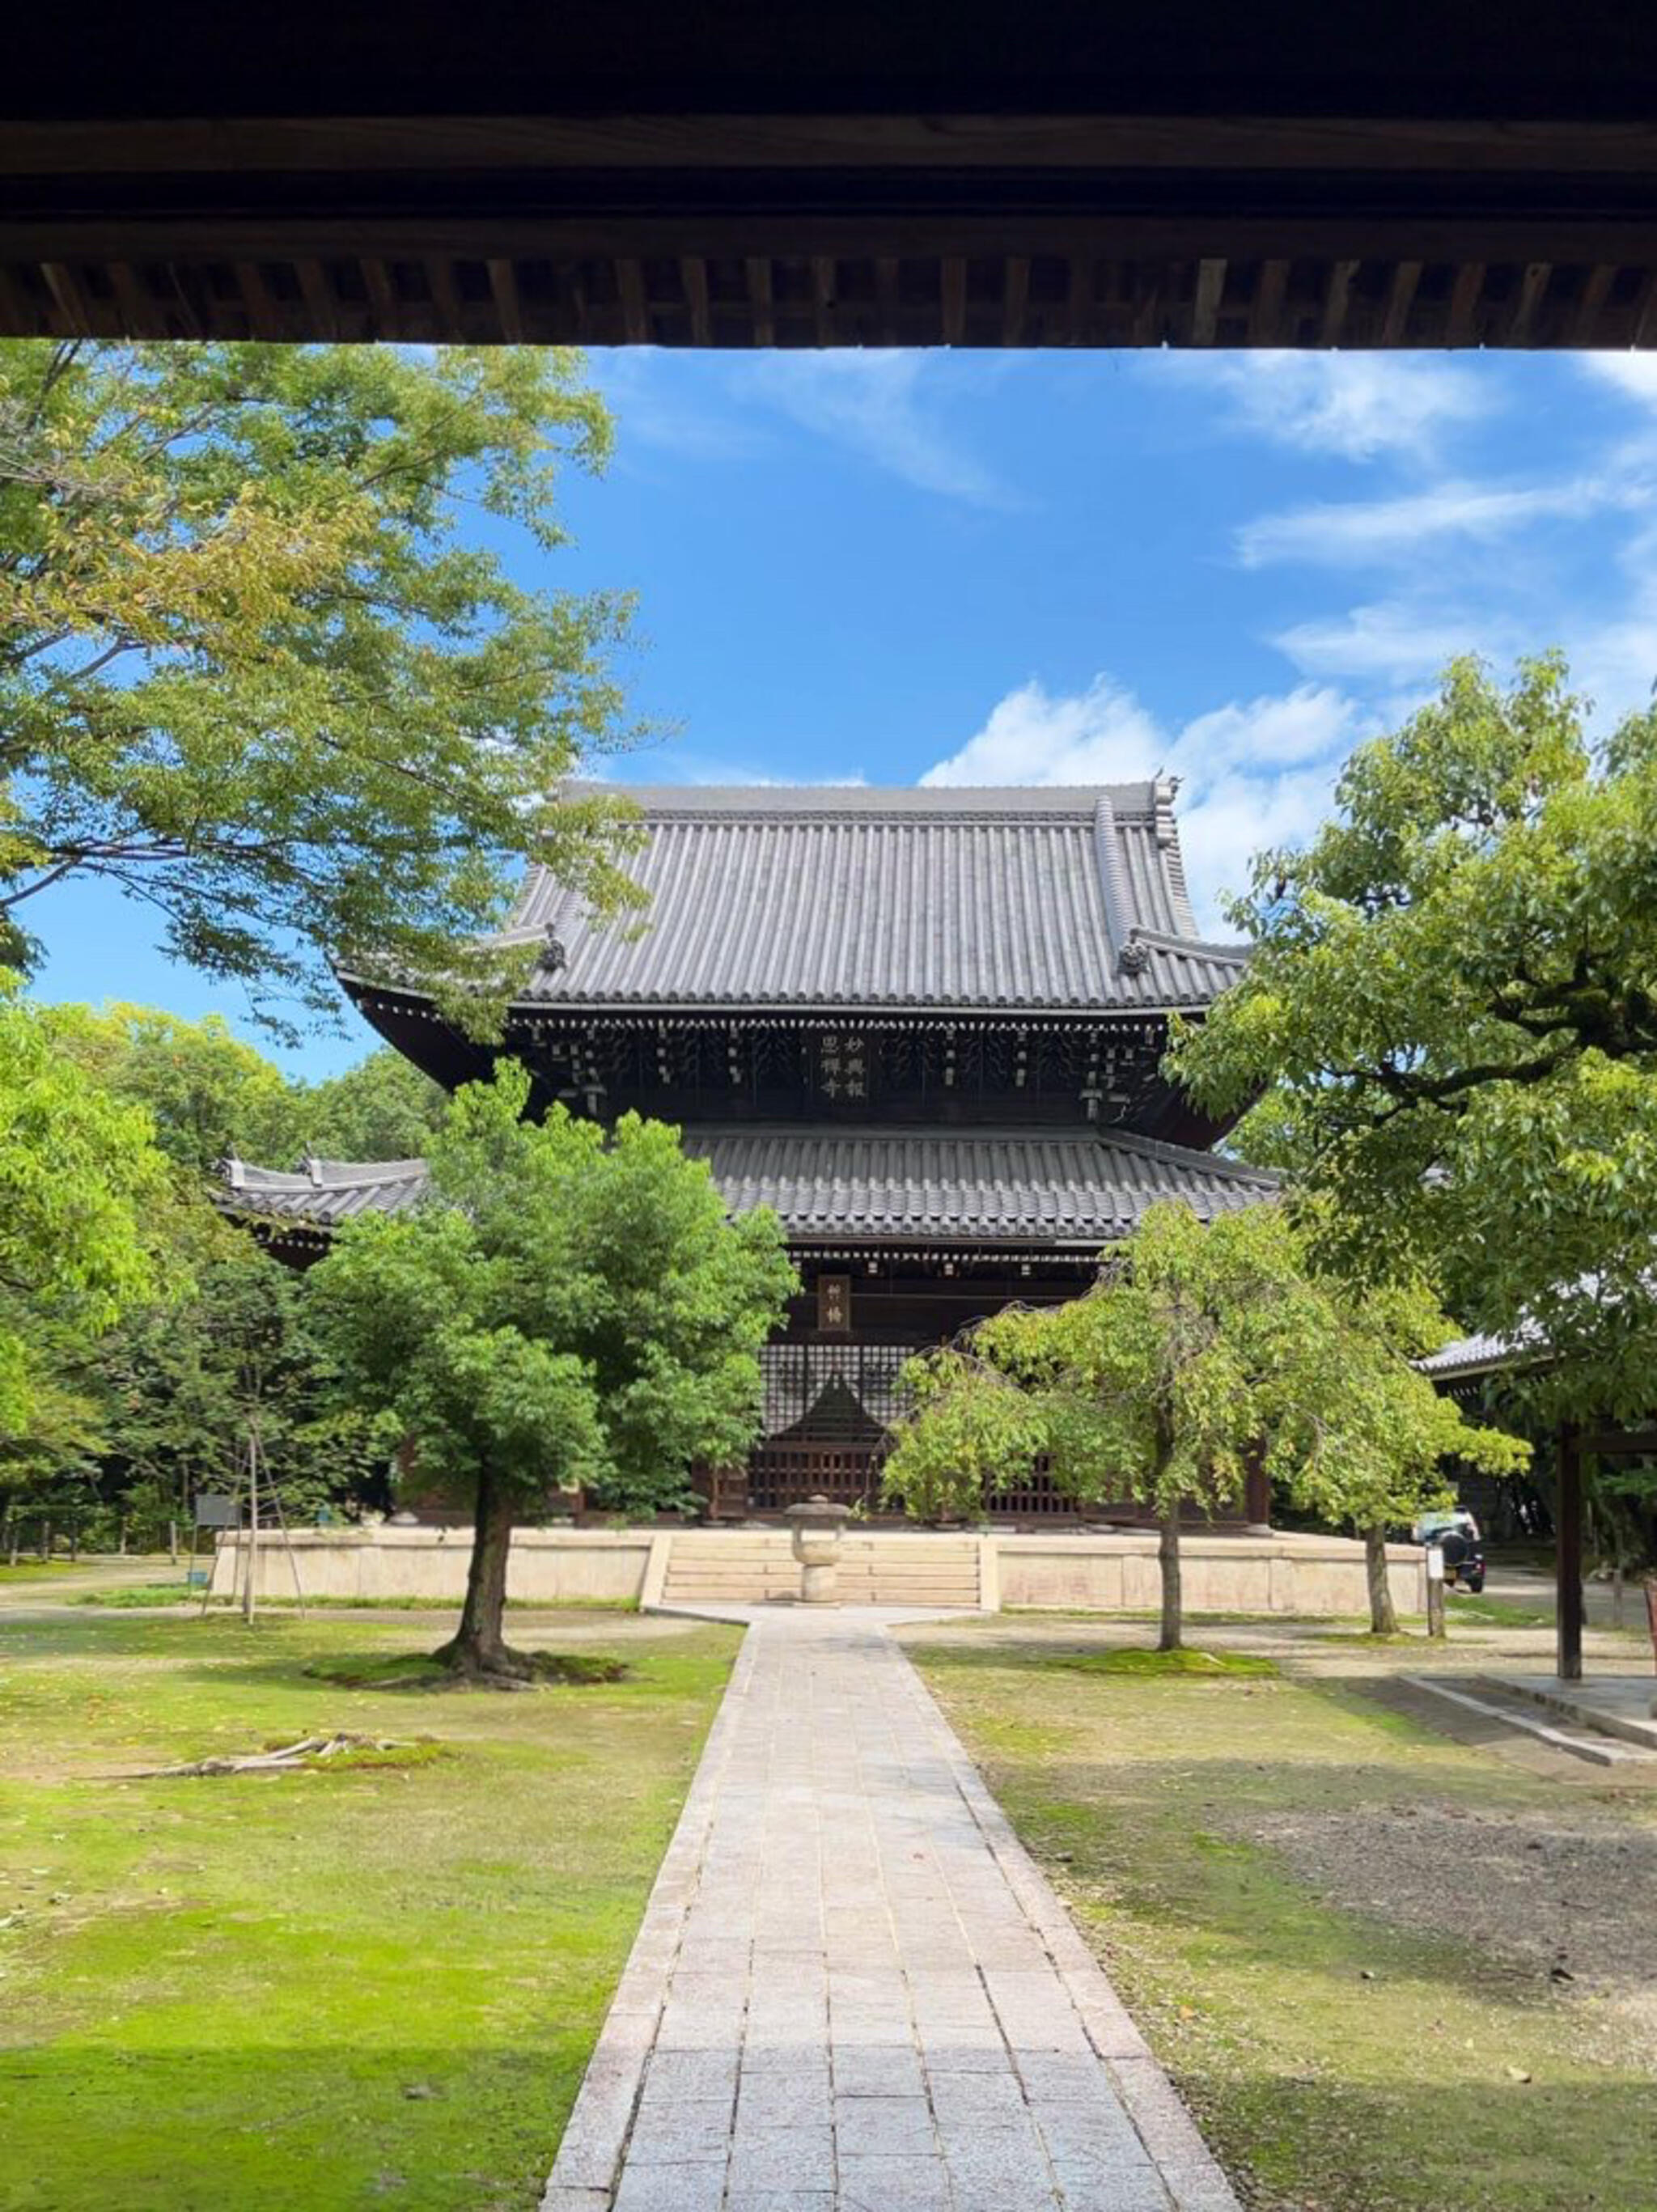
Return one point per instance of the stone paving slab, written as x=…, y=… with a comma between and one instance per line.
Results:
x=854, y=1990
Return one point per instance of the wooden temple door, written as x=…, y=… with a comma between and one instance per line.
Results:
x=827, y=1427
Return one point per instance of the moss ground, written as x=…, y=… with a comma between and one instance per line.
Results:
x=371, y=1987
x=1225, y=1843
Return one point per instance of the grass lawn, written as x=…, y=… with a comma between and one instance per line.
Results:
x=130, y=1597
x=61, y=1568
x=1391, y=1973
x=371, y=1987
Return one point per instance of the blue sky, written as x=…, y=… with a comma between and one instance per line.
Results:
x=1073, y=567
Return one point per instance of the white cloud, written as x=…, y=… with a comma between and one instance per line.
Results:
x=1101, y=735
x=655, y=405
x=1633, y=374
x=1253, y=773
x=1375, y=532
x=1278, y=731
x=875, y=405
x=1358, y=406
x=1396, y=641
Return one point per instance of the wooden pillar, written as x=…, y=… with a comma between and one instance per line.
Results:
x=1568, y=1537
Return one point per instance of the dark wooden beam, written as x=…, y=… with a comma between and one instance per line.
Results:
x=1179, y=172
x=1639, y=1443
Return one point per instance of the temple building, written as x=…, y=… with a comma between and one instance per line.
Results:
x=925, y=1026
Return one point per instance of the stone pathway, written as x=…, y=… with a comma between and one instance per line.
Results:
x=853, y=1991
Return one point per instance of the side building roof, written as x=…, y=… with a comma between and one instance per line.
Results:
x=835, y=1188
x=1069, y=899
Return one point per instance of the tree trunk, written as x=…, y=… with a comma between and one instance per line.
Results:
x=480, y=1647
x=1383, y=1620
x=1167, y=1553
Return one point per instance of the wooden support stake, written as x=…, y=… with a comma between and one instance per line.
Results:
x=1568, y=1599
x=249, y=1600
x=1436, y=1592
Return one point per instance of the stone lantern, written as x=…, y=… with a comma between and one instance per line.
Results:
x=817, y=1527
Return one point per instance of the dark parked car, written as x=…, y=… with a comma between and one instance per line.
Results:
x=1456, y=1536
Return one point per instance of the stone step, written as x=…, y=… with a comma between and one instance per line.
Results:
x=749, y=1567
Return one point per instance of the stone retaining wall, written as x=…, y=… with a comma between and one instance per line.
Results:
x=1223, y=1573
x=1288, y=1574
x=546, y=1566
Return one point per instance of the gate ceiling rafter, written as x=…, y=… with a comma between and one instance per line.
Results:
x=1160, y=172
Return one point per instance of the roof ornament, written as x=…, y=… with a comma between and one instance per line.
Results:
x=312, y=1166
x=234, y=1173
x=552, y=956
x=1135, y=955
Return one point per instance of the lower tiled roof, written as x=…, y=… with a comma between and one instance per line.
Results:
x=323, y=1193
x=1471, y=1355
x=1014, y=1187
x=945, y=1186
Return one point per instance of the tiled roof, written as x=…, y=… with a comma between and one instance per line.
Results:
x=926, y=1186
x=971, y=1185
x=840, y=897
x=1470, y=1355
x=324, y=1192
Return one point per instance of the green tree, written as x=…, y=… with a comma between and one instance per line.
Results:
x=48, y=1461
x=251, y=674
x=1199, y=1347
x=568, y=1307
x=1366, y=1440
x=183, y=1387
x=1454, y=992
x=384, y=1108
x=84, y=1198
x=208, y=1093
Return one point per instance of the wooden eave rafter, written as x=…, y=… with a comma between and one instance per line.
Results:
x=706, y=227
x=540, y=1018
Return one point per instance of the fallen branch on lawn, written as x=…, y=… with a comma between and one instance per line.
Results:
x=308, y=1751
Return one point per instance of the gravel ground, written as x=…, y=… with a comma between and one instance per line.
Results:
x=1565, y=1904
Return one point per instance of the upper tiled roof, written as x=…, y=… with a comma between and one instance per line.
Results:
x=842, y=897
x=831, y=1185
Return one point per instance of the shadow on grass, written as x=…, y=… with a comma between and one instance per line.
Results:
x=1138, y=1663
x=422, y=1671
